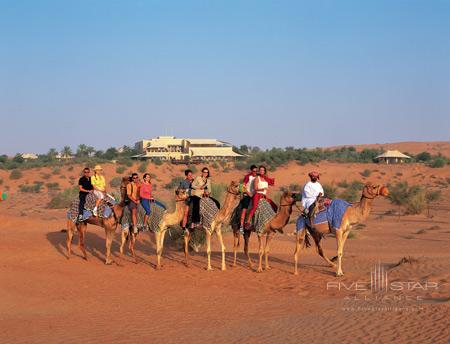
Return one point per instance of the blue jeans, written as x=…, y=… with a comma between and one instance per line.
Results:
x=146, y=205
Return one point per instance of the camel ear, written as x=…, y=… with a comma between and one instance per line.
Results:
x=369, y=184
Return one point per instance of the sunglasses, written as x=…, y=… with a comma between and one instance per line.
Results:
x=205, y=171
x=135, y=177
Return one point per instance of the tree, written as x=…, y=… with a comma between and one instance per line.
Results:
x=424, y=156
x=52, y=154
x=90, y=150
x=66, y=152
x=18, y=158
x=111, y=153
x=82, y=151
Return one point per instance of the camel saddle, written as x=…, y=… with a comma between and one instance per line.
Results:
x=318, y=206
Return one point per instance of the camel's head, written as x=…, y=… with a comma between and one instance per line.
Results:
x=372, y=190
x=181, y=194
x=233, y=188
x=287, y=197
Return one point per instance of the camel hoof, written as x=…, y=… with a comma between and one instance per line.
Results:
x=259, y=270
x=108, y=262
x=209, y=268
x=223, y=268
x=158, y=267
x=295, y=273
x=339, y=274
x=233, y=265
x=268, y=268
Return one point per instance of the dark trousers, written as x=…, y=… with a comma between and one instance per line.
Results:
x=82, y=196
x=195, y=203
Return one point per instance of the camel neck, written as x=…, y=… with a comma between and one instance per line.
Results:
x=365, y=206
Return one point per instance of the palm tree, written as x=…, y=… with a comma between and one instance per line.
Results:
x=66, y=152
x=52, y=154
x=82, y=150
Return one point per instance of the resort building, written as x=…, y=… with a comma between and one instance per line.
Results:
x=392, y=157
x=173, y=148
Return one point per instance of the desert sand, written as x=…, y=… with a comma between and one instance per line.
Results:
x=45, y=298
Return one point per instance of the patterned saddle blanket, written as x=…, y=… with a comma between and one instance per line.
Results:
x=208, y=211
x=332, y=214
x=104, y=210
x=153, y=224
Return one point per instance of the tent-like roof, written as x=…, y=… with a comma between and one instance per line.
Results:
x=393, y=154
x=213, y=152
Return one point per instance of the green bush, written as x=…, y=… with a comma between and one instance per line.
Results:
x=126, y=162
x=218, y=191
x=115, y=182
x=15, y=174
x=342, y=184
x=63, y=199
x=215, y=165
x=56, y=170
x=120, y=169
x=330, y=190
x=33, y=188
x=438, y=162
x=157, y=162
x=414, y=199
x=174, y=183
x=143, y=167
x=52, y=186
x=70, y=168
x=366, y=173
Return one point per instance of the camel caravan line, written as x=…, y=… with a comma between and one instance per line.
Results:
x=335, y=217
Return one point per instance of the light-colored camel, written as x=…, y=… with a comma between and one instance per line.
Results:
x=230, y=202
x=356, y=213
x=109, y=224
x=168, y=220
x=277, y=223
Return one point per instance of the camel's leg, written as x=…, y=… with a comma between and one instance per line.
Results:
x=340, y=240
x=70, y=231
x=208, y=249
x=132, y=242
x=109, y=238
x=158, y=250
x=260, y=252
x=222, y=246
x=267, y=249
x=300, y=237
x=81, y=237
x=321, y=253
x=246, y=242
x=187, y=236
x=124, y=236
x=236, y=240
x=161, y=242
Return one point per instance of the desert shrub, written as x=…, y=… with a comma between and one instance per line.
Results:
x=399, y=174
x=63, y=199
x=193, y=168
x=70, y=168
x=437, y=162
x=349, y=194
x=115, y=182
x=46, y=175
x=52, y=186
x=414, y=199
x=330, y=190
x=218, y=191
x=1, y=181
x=342, y=184
x=15, y=174
x=366, y=173
x=215, y=165
x=424, y=156
x=31, y=188
x=226, y=169
x=143, y=167
x=240, y=165
x=174, y=183
x=432, y=196
x=56, y=170
x=158, y=162
x=120, y=169
x=126, y=162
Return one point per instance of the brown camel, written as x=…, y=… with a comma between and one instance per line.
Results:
x=109, y=224
x=356, y=213
x=232, y=198
x=168, y=220
x=277, y=223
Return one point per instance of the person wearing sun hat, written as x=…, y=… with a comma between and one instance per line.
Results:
x=311, y=190
x=99, y=184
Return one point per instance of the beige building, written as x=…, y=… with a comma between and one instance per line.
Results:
x=173, y=148
x=392, y=157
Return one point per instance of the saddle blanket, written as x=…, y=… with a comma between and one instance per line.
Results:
x=208, y=211
x=153, y=224
x=332, y=214
x=263, y=214
x=103, y=211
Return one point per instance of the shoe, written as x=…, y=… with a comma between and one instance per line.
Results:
x=135, y=230
x=94, y=211
x=80, y=218
x=241, y=230
x=185, y=231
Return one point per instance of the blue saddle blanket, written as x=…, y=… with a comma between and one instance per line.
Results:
x=332, y=214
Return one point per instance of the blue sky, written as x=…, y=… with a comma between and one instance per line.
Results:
x=265, y=73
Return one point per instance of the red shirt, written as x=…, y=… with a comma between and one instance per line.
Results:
x=145, y=191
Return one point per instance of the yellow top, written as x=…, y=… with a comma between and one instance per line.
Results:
x=98, y=182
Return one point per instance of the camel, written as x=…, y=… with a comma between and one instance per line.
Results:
x=354, y=214
x=109, y=224
x=168, y=220
x=232, y=199
x=277, y=223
